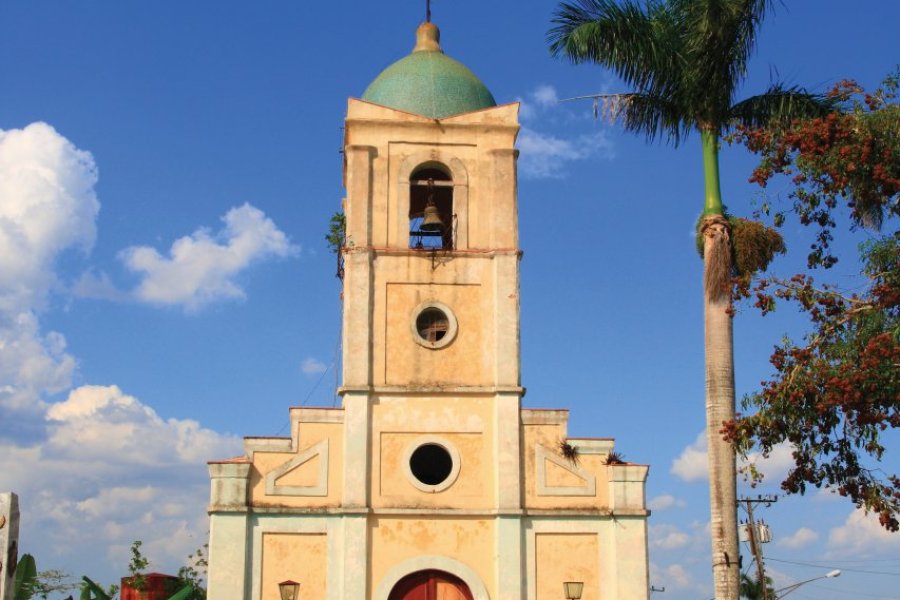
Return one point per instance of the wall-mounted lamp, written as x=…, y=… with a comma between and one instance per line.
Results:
x=573, y=589
x=289, y=590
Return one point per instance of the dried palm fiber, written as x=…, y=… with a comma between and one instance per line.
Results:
x=717, y=259
x=754, y=246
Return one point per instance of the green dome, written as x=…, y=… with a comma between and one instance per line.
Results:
x=428, y=82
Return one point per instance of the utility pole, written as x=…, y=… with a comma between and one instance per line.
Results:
x=753, y=533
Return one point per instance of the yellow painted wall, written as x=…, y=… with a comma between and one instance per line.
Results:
x=561, y=557
x=463, y=362
x=470, y=486
x=464, y=422
x=301, y=557
x=310, y=434
x=396, y=539
x=549, y=436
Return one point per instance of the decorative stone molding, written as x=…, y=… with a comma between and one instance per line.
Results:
x=273, y=488
x=545, y=416
x=299, y=414
x=541, y=456
x=593, y=445
x=228, y=486
x=627, y=487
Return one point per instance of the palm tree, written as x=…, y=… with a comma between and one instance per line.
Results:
x=752, y=590
x=684, y=60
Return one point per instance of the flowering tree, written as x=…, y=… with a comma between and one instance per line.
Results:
x=834, y=394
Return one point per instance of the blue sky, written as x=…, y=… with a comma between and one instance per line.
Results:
x=167, y=171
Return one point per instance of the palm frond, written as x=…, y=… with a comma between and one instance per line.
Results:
x=721, y=35
x=654, y=116
x=779, y=105
x=638, y=41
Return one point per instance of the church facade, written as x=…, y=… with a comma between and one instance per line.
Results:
x=430, y=481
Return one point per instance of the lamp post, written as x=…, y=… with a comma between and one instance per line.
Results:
x=573, y=589
x=289, y=590
x=779, y=594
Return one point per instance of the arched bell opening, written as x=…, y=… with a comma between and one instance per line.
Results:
x=431, y=584
x=431, y=208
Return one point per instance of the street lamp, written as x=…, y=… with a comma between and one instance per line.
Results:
x=289, y=590
x=573, y=589
x=787, y=590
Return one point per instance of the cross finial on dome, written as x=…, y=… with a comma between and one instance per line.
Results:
x=428, y=11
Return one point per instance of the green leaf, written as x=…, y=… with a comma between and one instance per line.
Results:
x=26, y=578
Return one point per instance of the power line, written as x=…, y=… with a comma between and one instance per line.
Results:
x=854, y=593
x=851, y=570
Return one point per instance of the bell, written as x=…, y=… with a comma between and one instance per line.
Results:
x=431, y=219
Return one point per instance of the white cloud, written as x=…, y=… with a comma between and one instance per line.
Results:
x=691, y=464
x=112, y=471
x=862, y=535
x=31, y=363
x=47, y=205
x=545, y=96
x=546, y=155
x=774, y=467
x=201, y=268
x=100, y=468
x=311, y=366
x=676, y=578
x=799, y=538
x=98, y=286
x=100, y=423
x=664, y=502
x=668, y=537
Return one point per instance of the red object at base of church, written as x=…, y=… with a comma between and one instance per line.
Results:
x=157, y=586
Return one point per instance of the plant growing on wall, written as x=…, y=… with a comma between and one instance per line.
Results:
x=568, y=451
x=337, y=239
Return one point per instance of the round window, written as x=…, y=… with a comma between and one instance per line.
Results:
x=432, y=464
x=434, y=325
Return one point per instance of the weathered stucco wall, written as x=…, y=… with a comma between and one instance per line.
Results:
x=301, y=557
x=397, y=539
x=400, y=423
x=466, y=361
x=304, y=471
x=561, y=557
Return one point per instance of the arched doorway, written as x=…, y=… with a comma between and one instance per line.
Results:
x=430, y=584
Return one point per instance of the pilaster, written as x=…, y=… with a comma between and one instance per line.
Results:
x=357, y=421
x=357, y=331
x=356, y=557
x=229, y=533
x=507, y=449
x=510, y=558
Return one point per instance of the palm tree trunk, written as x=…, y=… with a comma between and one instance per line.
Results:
x=719, y=354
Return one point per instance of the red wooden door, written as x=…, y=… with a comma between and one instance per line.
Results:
x=430, y=585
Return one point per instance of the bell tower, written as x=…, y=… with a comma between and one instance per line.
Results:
x=431, y=481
